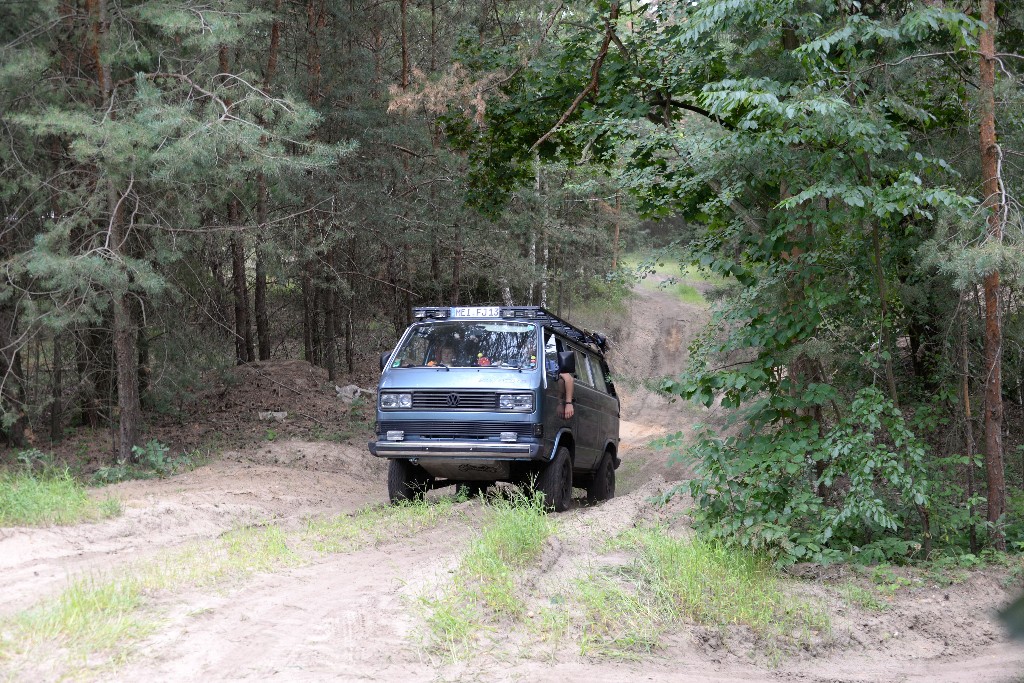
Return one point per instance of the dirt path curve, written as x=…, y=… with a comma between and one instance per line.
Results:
x=356, y=616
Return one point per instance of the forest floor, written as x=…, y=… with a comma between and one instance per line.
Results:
x=313, y=599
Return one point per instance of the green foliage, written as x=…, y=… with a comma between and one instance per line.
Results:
x=151, y=460
x=764, y=490
x=820, y=151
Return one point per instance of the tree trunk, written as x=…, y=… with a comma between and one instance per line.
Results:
x=260, y=286
x=126, y=331
x=615, y=237
x=144, y=373
x=56, y=391
x=993, y=322
x=245, y=352
x=316, y=338
x=329, y=327
x=12, y=380
x=262, y=201
x=307, y=313
x=457, y=266
x=968, y=428
x=544, y=269
x=126, y=352
x=404, y=6
x=353, y=259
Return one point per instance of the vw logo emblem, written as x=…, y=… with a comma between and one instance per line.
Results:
x=452, y=400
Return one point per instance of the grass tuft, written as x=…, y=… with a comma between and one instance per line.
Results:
x=863, y=597
x=53, y=496
x=376, y=524
x=672, y=579
x=97, y=618
x=102, y=614
x=484, y=588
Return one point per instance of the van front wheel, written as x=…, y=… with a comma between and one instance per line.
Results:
x=555, y=481
x=406, y=481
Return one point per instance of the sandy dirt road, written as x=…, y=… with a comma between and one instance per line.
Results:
x=356, y=615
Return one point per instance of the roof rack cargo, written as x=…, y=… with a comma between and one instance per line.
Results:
x=537, y=313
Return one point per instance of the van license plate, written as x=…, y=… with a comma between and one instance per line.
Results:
x=476, y=312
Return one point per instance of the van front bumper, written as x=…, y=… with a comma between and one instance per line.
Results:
x=457, y=449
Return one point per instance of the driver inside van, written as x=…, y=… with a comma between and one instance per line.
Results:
x=443, y=356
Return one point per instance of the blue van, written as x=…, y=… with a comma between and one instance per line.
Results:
x=475, y=395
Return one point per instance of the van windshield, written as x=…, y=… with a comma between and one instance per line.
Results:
x=469, y=344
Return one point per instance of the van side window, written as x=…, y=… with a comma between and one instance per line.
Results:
x=600, y=382
x=583, y=368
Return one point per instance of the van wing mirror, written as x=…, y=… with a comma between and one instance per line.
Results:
x=567, y=362
x=384, y=359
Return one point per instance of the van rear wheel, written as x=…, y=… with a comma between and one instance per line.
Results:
x=406, y=481
x=555, y=481
x=603, y=485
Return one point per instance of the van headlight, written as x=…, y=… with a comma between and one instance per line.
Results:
x=518, y=402
x=395, y=401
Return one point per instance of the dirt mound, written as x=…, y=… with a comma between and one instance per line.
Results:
x=269, y=400
x=652, y=344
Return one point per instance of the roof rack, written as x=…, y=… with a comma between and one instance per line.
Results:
x=596, y=341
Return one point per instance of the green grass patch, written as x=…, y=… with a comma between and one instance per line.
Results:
x=664, y=272
x=53, y=496
x=672, y=579
x=96, y=619
x=865, y=598
x=688, y=294
x=484, y=587
x=99, y=617
x=376, y=524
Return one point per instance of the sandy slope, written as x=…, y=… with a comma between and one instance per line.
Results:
x=354, y=616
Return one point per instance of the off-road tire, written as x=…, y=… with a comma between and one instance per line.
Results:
x=602, y=487
x=555, y=481
x=406, y=481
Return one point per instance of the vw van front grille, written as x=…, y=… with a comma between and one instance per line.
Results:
x=431, y=429
x=454, y=400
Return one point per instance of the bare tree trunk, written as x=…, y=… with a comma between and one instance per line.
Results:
x=126, y=352
x=316, y=337
x=260, y=286
x=12, y=380
x=993, y=321
x=262, y=200
x=457, y=266
x=404, y=6
x=220, y=286
x=307, y=313
x=125, y=329
x=433, y=35
x=56, y=391
x=329, y=333
x=88, y=405
x=144, y=372
x=353, y=259
x=968, y=428
x=544, y=270
x=245, y=352
x=615, y=237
